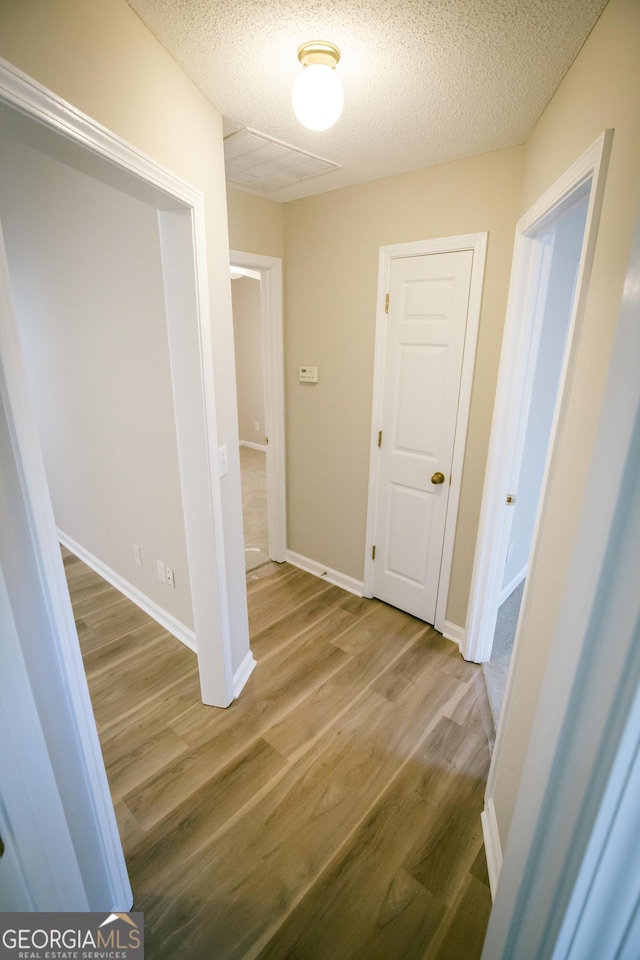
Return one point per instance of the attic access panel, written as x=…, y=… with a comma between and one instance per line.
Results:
x=260, y=163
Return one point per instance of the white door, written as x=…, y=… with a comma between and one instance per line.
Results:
x=427, y=318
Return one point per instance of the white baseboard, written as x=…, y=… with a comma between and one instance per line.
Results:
x=326, y=573
x=253, y=446
x=453, y=632
x=492, y=848
x=506, y=592
x=243, y=673
x=165, y=619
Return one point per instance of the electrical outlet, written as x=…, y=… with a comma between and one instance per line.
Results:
x=137, y=556
x=170, y=578
x=161, y=571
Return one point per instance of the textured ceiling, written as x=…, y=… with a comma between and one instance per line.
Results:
x=425, y=81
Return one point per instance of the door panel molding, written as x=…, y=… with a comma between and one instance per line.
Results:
x=477, y=244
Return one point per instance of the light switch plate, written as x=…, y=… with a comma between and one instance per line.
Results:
x=308, y=374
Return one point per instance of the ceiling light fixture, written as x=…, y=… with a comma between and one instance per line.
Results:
x=317, y=93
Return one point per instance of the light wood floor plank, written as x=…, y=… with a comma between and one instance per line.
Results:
x=288, y=592
x=110, y=654
x=192, y=826
x=331, y=812
x=132, y=727
x=115, y=690
x=325, y=606
x=377, y=645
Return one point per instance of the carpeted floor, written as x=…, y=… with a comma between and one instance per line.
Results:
x=495, y=672
x=253, y=474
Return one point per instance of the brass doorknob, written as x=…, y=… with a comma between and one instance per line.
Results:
x=437, y=478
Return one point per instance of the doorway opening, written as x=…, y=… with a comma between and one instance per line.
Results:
x=560, y=242
x=256, y=289
x=565, y=219
x=190, y=378
x=252, y=432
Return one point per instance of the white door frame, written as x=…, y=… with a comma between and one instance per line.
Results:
x=570, y=884
x=477, y=243
x=270, y=270
x=43, y=869
x=513, y=392
x=191, y=366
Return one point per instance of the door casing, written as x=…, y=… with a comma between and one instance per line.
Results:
x=270, y=270
x=514, y=387
x=477, y=243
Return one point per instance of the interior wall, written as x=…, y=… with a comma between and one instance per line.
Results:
x=568, y=233
x=256, y=225
x=88, y=292
x=601, y=90
x=103, y=60
x=332, y=246
x=247, y=326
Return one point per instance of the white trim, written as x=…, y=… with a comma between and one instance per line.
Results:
x=40, y=868
x=477, y=244
x=175, y=627
x=243, y=673
x=451, y=631
x=492, y=847
x=513, y=584
x=191, y=352
x=34, y=100
x=254, y=446
x=488, y=567
x=237, y=272
x=326, y=573
x=270, y=269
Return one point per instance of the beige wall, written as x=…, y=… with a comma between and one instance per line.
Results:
x=601, y=90
x=101, y=58
x=332, y=243
x=256, y=225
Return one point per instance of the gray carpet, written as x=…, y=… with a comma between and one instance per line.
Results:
x=253, y=476
x=496, y=670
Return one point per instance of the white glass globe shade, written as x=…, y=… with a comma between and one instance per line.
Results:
x=317, y=97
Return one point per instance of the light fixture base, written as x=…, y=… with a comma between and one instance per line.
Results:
x=318, y=51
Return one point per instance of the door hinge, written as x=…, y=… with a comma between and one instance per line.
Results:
x=511, y=499
x=373, y=553
x=386, y=303
x=266, y=441
x=1, y=848
x=379, y=438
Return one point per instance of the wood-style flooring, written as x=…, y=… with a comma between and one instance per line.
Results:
x=331, y=813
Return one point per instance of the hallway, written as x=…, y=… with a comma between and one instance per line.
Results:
x=333, y=810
